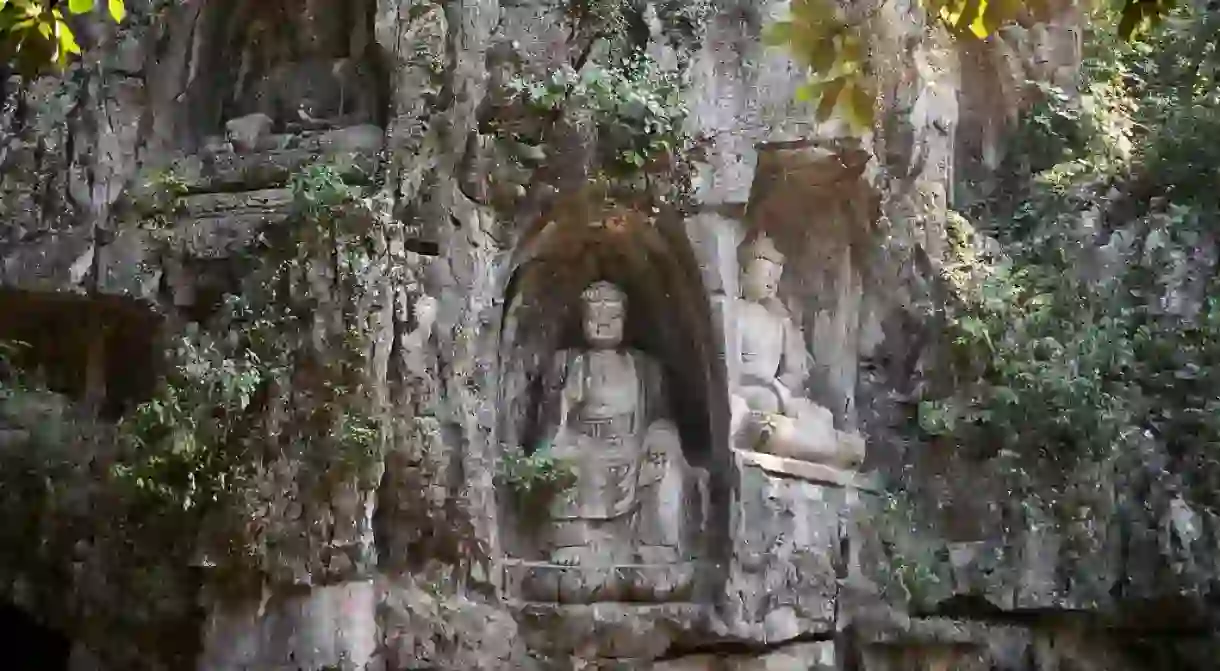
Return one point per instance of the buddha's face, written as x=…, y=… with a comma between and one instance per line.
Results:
x=500, y=71
x=603, y=323
x=760, y=279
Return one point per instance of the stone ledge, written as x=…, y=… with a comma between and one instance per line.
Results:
x=544, y=583
x=810, y=656
x=806, y=470
x=898, y=630
x=212, y=226
x=609, y=630
x=354, y=150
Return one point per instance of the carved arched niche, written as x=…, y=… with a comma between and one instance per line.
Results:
x=309, y=65
x=817, y=208
x=668, y=321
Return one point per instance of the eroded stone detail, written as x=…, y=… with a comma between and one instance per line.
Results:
x=788, y=554
x=323, y=627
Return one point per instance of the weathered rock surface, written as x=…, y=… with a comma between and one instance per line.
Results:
x=430, y=306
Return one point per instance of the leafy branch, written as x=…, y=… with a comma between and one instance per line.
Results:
x=35, y=33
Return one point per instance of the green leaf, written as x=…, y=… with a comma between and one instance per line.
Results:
x=830, y=98
x=779, y=34
x=859, y=107
x=80, y=6
x=29, y=10
x=972, y=12
x=998, y=13
x=117, y=10
x=67, y=41
x=808, y=91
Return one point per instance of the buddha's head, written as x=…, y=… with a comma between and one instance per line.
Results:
x=761, y=267
x=503, y=63
x=605, y=310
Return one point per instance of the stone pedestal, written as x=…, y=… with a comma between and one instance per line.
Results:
x=788, y=526
x=817, y=656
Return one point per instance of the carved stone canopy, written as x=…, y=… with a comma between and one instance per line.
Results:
x=649, y=262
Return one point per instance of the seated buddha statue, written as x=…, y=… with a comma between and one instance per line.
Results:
x=769, y=411
x=303, y=64
x=606, y=406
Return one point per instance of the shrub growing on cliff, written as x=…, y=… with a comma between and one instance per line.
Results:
x=636, y=106
x=183, y=447
x=1096, y=339
x=275, y=372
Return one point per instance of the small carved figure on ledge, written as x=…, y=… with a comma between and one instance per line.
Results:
x=631, y=501
x=304, y=64
x=769, y=412
x=499, y=163
x=319, y=94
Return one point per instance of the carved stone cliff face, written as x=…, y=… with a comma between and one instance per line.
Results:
x=353, y=249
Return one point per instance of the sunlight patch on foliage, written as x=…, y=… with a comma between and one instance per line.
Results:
x=35, y=34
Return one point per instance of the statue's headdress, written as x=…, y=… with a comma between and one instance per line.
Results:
x=759, y=247
x=503, y=51
x=603, y=292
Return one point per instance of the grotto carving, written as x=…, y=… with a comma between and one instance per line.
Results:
x=304, y=68
x=280, y=86
x=769, y=410
x=273, y=74
x=626, y=529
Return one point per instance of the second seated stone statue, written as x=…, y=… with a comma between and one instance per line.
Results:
x=769, y=411
x=636, y=500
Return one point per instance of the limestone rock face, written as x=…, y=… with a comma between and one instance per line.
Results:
x=330, y=255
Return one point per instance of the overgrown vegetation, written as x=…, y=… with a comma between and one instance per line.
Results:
x=274, y=378
x=183, y=445
x=1077, y=374
x=1095, y=338
x=912, y=572
x=274, y=374
x=613, y=88
x=67, y=520
x=157, y=201
x=636, y=106
x=831, y=39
